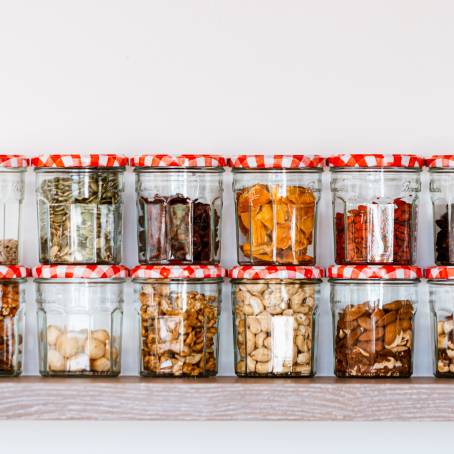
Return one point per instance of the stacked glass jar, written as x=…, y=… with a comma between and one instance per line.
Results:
x=374, y=286
x=80, y=282
x=276, y=288
x=178, y=286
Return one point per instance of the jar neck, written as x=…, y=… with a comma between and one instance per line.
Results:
x=181, y=170
x=276, y=281
x=39, y=170
x=177, y=281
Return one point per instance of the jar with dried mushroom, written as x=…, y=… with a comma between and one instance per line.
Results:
x=179, y=309
x=80, y=207
x=80, y=313
x=12, y=299
x=375, y=199
x=276, y=200
x=373, y=319
x=179, y=208
x=274, y=318
x=441, y=291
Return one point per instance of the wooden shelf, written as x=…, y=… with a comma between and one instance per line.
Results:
x=227, y=398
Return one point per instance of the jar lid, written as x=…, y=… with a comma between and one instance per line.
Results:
x=277, y=161
x=14, y=272
x=80, y=271
x=439, y=161
x=177, y=272
x=276, y=272
x=182, y=160
x=440, y=272
x=79, y=160
x=376, y=160
x=13, y=161
x=374, y=272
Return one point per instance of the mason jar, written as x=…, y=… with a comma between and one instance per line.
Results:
x=12, y=189
x=373, y=310
x=441, y=171
x=179, y=208
x=80, y=313
x=276, y=201
x=80, y=206
x=12, y=300
x=179, y=310
x=375, y=199
x=441, y=298
x=274, y=320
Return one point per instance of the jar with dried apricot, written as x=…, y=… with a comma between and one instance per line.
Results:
x=276, y=201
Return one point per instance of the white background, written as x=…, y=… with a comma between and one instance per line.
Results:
x=229, y=77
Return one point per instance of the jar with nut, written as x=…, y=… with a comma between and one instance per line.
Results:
x=12, y=299
x=80, y=206
x=441, y=291
x=179, y=309
x=179, y=208
x=375, y=199
x=80, y=313
x=373, y=319
x=276, y=200
x=275, y=314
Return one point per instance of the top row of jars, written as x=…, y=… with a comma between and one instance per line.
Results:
x=179, y=208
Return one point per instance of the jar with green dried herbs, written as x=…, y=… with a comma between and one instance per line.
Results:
x=80, y=204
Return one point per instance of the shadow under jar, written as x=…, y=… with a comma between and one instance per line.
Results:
x=80, y=313
x=179, y=310
x=276, y=200
x=373, y=310
x=375, y=199
x=13, y=281
x=274, y=320
x=80, y=207
x=179, y=208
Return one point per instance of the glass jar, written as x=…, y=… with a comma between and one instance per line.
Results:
x=274, y=320
x=441, y=170
x=80, y=313
x=80, y=206
x=12, y=189
x=276, y=201
x=375, y=201
x=441, y=297
x=373, y=311
x=12, y=299
x=179, y=208
x=179, y=310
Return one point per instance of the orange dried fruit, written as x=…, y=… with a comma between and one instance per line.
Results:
x=300, y=196
x=254, y=197
x=282, y=212
x=265, y=215
x=258, y=252
x=283, y=236
x=258, y=232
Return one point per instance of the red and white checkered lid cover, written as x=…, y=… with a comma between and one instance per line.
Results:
x=182, y=160
x=80, y=271
x=374, y=272
x=79, y=160
x=440, y=272
x=376, y=160
x=13, y=161
x=440, y=161
x=277, y=161
x=177, y=272
x=276, y=272
x=14, y=272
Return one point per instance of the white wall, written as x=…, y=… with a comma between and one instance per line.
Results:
x=233, y=76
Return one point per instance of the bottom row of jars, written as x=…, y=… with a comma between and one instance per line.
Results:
x=274, y=314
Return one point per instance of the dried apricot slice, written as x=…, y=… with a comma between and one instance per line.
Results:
x=300, y=195
x=265, y=215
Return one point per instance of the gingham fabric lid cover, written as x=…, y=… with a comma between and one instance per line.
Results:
x=440, y=272
x=374, y=272
x=182, y=160
x=177, y=272
x=14, y=272
x=277, y=161
x=276, y=272
x=440, y=161
x=80, y=271
x=13, y=161
x=376, y=160
x=79, y=160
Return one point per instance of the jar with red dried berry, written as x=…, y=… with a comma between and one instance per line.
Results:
x=375, y=200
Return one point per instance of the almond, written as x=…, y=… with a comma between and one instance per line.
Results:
x=343, y=324
x=352, y=337
x=377, y=315
x=390, y=333
x=365, y=322
x=394, y=305
x=371, y=347
x=387, y=319
x=355, y=312
x=405, y=324
x=372, y=334
x=406, y=311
